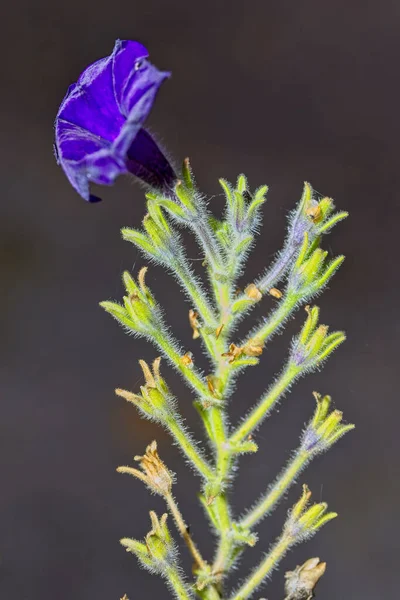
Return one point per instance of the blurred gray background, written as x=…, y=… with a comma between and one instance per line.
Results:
x=285, y=92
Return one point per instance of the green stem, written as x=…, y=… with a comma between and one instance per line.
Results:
x=260, y=411
x=192, y=377
x=264, y=569
x=183, y=530
x=200, y=304
x=176, y=583
x=210, y=247
x=277, y=318
x=215, y=425
x=188, y=448
x=277, y=489
x=190, y=285
x=210, y=593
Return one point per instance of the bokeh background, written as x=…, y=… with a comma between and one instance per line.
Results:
x=284, y=91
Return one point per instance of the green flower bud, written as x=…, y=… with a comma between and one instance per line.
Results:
x=158, y=552
x=325, y=428
x=313, y=345
x=139, y=312
x=310, y=272
x=303, y=522
x=154, y=401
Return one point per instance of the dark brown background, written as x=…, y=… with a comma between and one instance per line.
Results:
x=284, y=91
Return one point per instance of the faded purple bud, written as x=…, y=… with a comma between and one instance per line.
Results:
x=299, y=355
x=98, y=128
x=311, y=440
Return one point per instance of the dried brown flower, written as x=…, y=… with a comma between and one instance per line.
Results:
x=253, y=292
x=194, y=323
x=275, y=293
x=154, y=473
x=301, y=582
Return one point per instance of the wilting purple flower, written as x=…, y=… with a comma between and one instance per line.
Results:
x=98, y=128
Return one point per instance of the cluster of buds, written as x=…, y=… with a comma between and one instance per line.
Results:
x=301, y=582
x=186, y=204
x=304, y=521
x=242, y=215
x=312, y=216
x=308, y=274
x=139, y=313
x=313, y=345
x=154, y=472
x=158, y=552
x=154, y=400
x=311, y=271
x=325, y=428
x=158, y=239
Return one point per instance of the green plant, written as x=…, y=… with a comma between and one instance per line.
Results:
x=301, y=270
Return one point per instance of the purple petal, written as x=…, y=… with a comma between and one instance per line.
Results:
x=101, y=116
x=91, y=104
x=146, y=161
x=127, y=57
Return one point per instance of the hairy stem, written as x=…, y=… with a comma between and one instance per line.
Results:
x=188, y=448
x=183, y=530
x=275, y=320
x=275, y=492
x=191, y=286
x=264, y=569
x=261, y=410
x=191, y=376
x=201, y=305
x=175, y=582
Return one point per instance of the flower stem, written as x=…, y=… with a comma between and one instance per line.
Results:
x=200, y=304
x=277, y=489
x=176, y=583
x=277, y=318
x=206, y=239
x=194, y=380
x=262, y=409
x=186, y=445
x=190, y=284
x=183, y=530
x=264, y=569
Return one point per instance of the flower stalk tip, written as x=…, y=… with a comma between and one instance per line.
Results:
x=325, y=428
x=154, y=399
x=314, y=344
x=304, y=521
x=158, y=552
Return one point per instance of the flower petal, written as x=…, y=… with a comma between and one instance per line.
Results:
x=103, y=113
x=91, y=104
x=92, y=158
x=146, y=161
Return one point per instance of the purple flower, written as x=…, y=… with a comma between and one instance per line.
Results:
x=98, y=128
